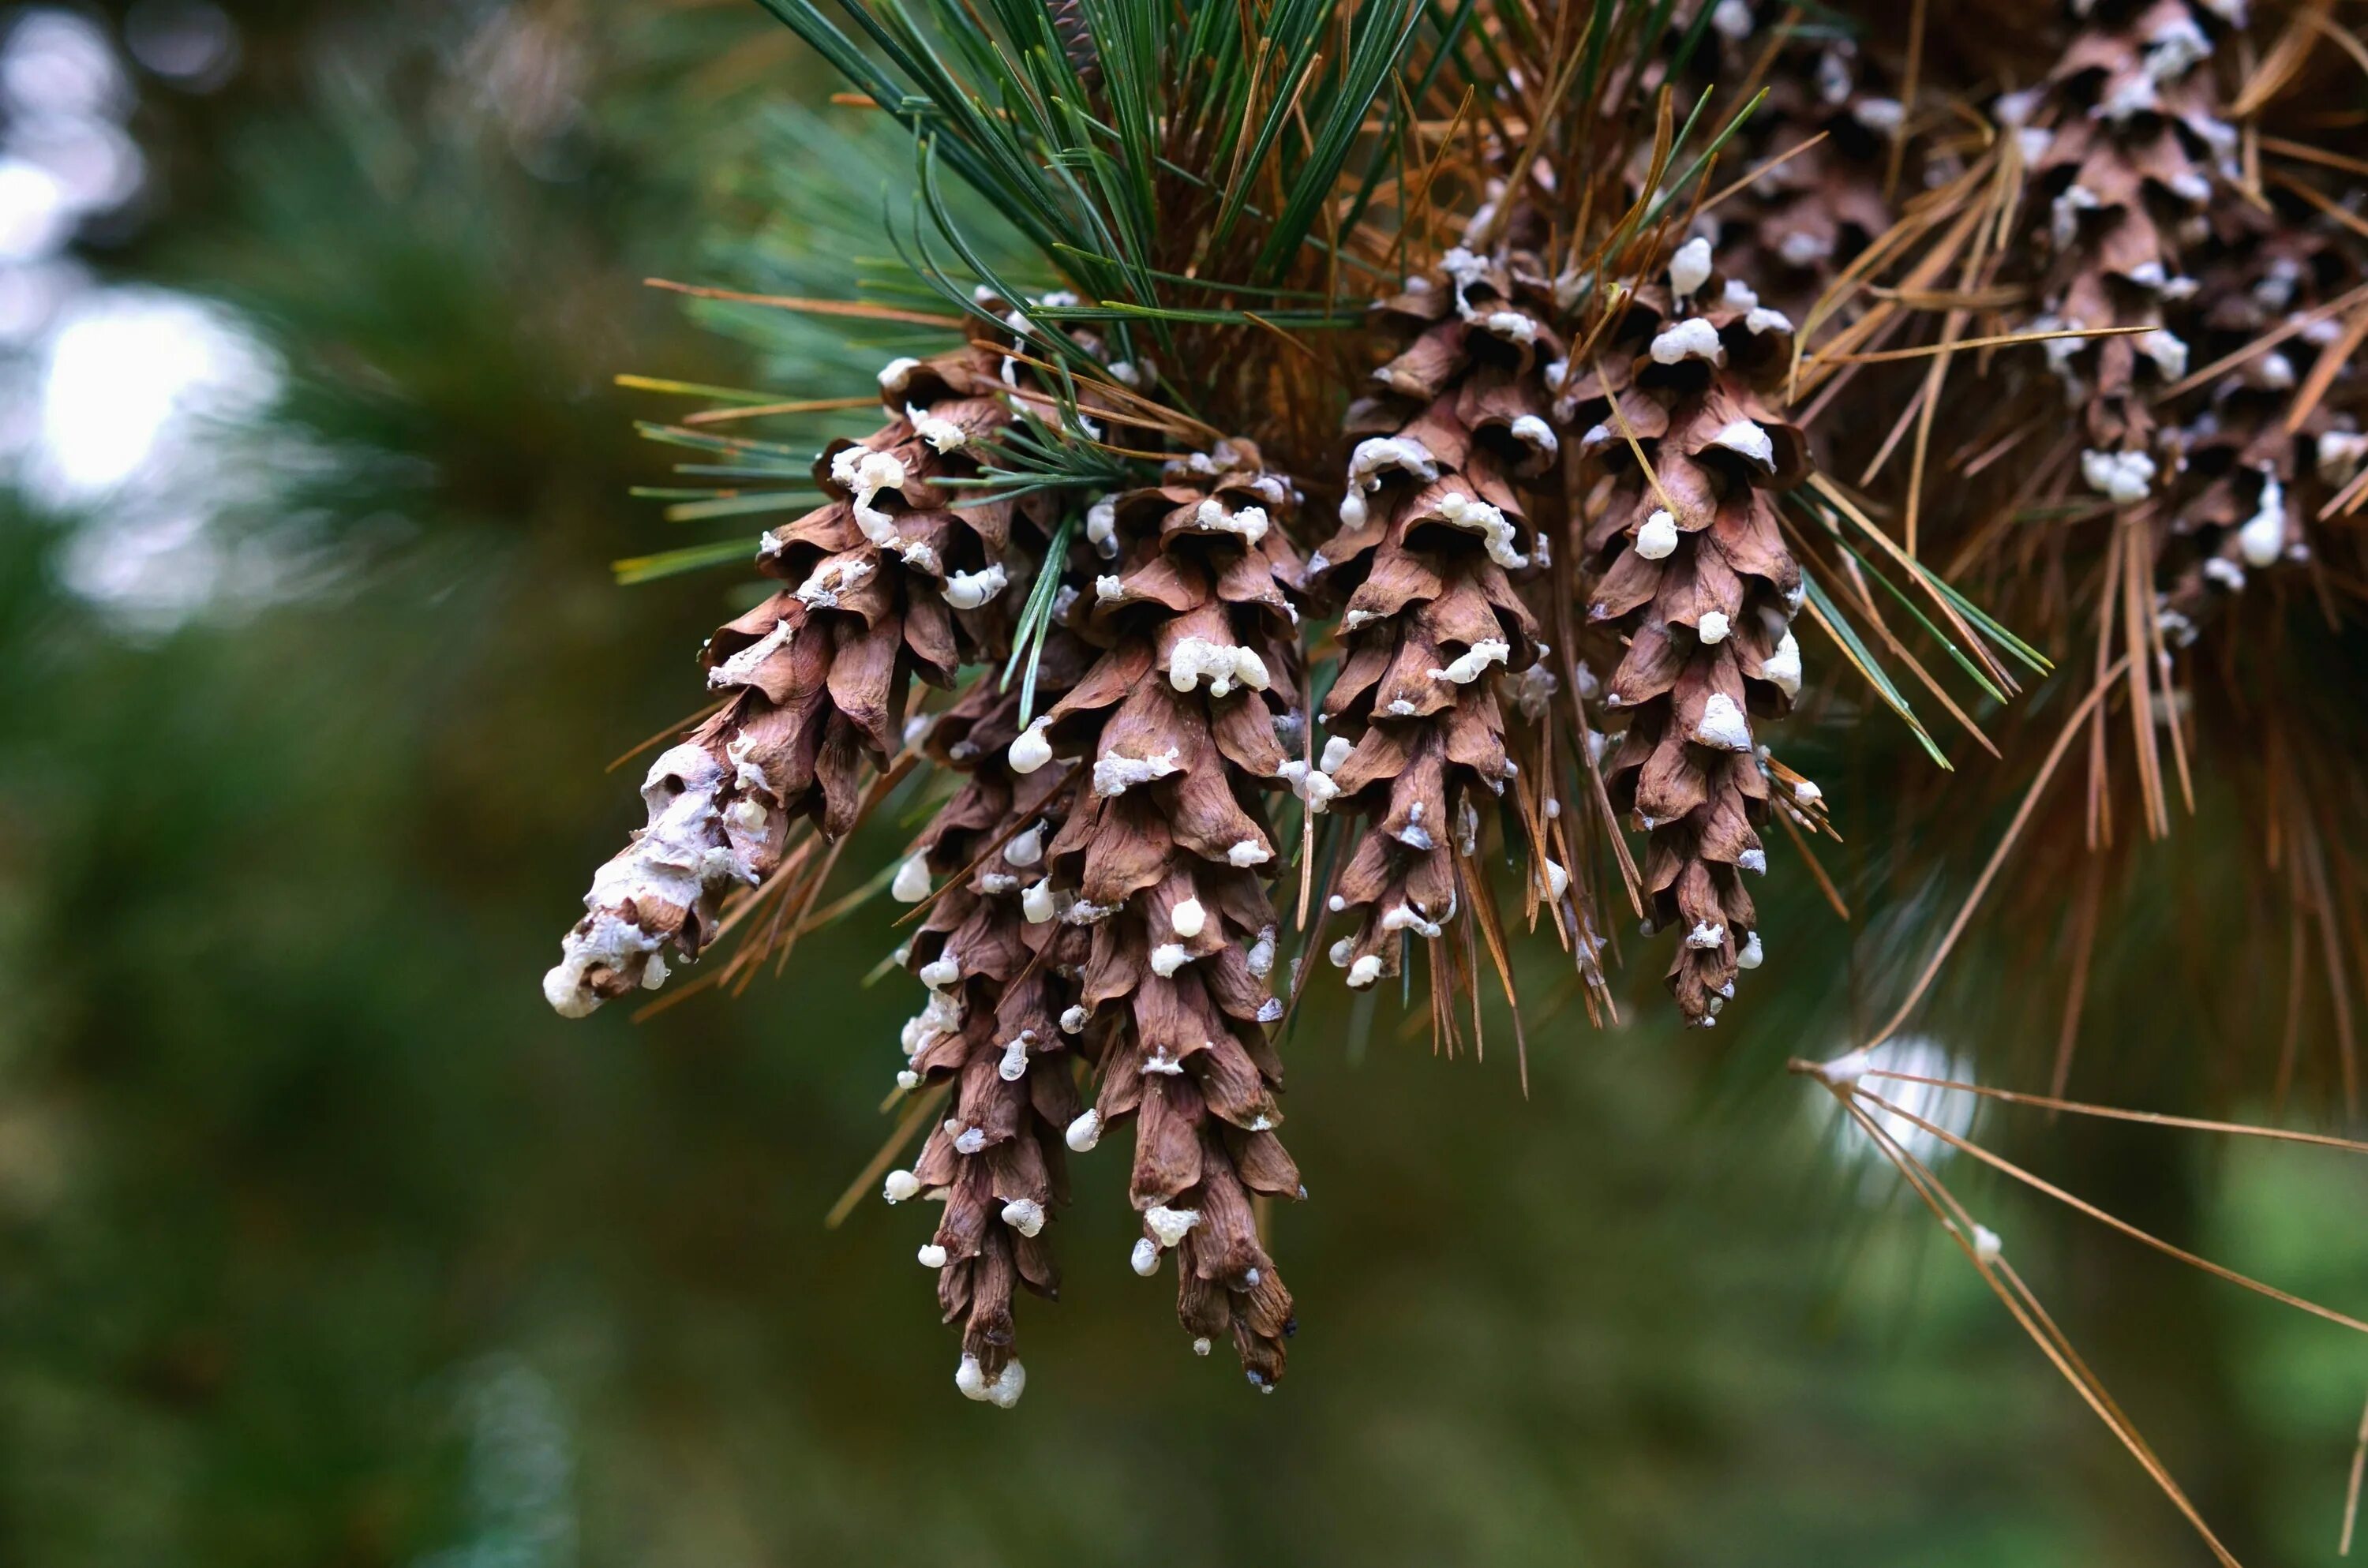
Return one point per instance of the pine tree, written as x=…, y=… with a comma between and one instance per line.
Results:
x=1390, y=463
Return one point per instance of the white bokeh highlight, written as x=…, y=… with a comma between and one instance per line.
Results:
x=119, y=407
x=1923, y=1057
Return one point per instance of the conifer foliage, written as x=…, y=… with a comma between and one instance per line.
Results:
x=1370, y=474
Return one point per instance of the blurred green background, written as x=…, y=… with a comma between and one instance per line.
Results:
x=323, y=1242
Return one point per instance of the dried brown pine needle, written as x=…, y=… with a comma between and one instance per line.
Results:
x=1982, y=1248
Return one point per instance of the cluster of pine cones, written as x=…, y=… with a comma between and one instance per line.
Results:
x=1536, y=611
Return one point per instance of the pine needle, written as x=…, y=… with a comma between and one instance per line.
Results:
x=2111, y=1113
x=679, y=727
x=1829, y=617
x=2351, y=1490
x=2331, y=362
x=637, y=569
x=2302, y=152
x=923, y=1111
x=2084, y=953
x=2049, y=1189
x=1908, y=83
x=2023, y=1307
x=1816, y=870
x=763, y=410
x=2293, y=326
x=697, y=389
x=1998, y=856
x=1763, y=168
x=1481, y=898
x=855, y=308
x=2003, y=340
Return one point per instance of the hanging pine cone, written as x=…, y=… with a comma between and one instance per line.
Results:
x=884, y=582
x=2147, y=221
x=2245, y=483
x=1696, y=578
x=1830, y=117
x=1433, y=532
x=1157, y=880
x=992, y=1029
x=2123, y=143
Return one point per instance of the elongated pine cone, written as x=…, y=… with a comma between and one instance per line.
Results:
x=1076, y=41
x=992, y=1027
x=1156, y=884
x=883, y=582
x=1433, y=533
x=2121, y=142
x=2132, y=161
x=1830, y=117
x=2244, y=485
x=1693, y=575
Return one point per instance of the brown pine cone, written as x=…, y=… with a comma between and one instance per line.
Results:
x=884, y=582
x=2241, y=481
x=992, y=1026
x=1077, y=42
x=1692, y=574
x=1794, y=229
x=2123, y=143
x=1433, y=532
x=1157, y=880
x=2243, y=485
x=2147, y=224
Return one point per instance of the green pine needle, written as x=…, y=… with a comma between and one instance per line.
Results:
x=1036, y=620
x=744, y=506
x=1860, y=656
x=641, y=569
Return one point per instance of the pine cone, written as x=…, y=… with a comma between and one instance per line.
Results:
x=2125, y=122
x=2129, y=126
x=1077, y=42
x=1157, y=880
x=1794, y=227
x=885, y=581
x=1433, y=530
x=1696, y=577
x=992, y=1027
x=2243, y=484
